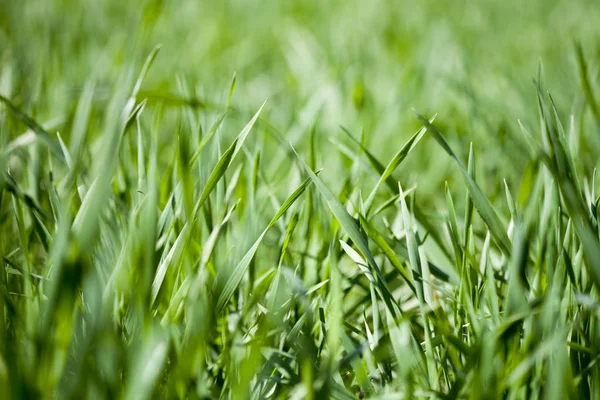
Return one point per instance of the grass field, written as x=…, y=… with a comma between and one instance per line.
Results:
x=299, y=199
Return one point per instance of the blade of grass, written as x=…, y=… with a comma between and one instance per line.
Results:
x=349, y=225
x=481, y=203
x=237, y=275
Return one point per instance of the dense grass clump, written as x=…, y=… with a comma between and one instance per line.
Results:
x=299, y=199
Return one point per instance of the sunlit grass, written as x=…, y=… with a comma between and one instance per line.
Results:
x=303, y=200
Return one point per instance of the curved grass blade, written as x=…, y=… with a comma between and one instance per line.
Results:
x=392, y=186
x=481, y=203
x=172, y=257
x=395, y=162
x=219, y=171
x=347, y=222
x=147, y=65
x=36, y=128
x=387, y=250
x=206, y=138
x=239, y=271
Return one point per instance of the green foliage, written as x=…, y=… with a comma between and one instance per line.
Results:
x=167, y=233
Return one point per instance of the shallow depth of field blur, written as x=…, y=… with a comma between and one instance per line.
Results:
x=299, y=199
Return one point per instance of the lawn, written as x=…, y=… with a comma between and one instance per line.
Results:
x=299, y=199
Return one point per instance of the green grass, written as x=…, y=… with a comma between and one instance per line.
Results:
x=307, y=200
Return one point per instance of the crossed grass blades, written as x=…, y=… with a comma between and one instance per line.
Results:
x=128, y=276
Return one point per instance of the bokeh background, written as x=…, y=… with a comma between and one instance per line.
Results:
x=363, y=65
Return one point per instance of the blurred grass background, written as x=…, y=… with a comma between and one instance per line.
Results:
x=361, y=65
x=121, y=274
